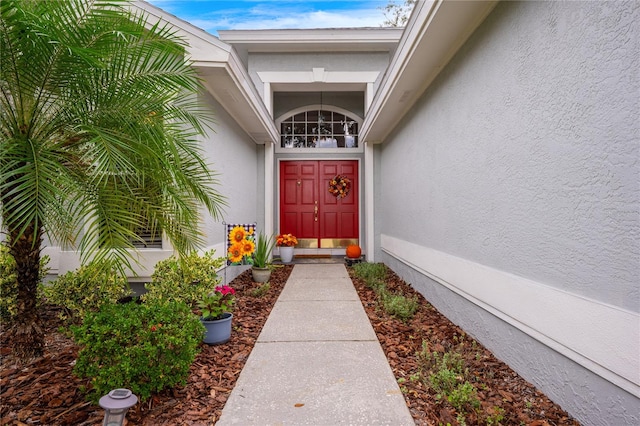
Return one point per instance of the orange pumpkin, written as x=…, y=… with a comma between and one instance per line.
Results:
x=353, y=251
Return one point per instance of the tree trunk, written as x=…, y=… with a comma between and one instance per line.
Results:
x=26, y=333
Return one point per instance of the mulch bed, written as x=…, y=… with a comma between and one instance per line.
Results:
x=497, y=384
x=45, y=392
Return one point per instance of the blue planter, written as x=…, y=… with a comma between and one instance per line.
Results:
x=217, y=331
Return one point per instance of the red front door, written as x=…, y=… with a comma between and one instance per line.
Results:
x=312, y=213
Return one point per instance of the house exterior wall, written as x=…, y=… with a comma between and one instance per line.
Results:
x=239, y=163
x=283, y=103
x=239, y=166
x=518, y=172
x=236, y=160
x=330, y=61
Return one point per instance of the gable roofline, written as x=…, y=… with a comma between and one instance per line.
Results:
x=224, y=75
x=329, y=39
x=434, y=33
x=313, y=40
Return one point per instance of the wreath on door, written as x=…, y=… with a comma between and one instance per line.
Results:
x=339, y=186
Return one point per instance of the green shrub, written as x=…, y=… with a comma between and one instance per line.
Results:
x=464, y=395
x=376, y=285
x=497, y=417
x=430, y=361
x=443, y=382
x=9, y=282
x=447, y=376
x=184, y=280
x=86, y=289
x=370, y=271
x=143, y=347
x=398, y=305
x=260, y=291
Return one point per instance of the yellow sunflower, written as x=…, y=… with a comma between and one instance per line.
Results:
x=248, y=247
x=235, y=252
x=237, y=234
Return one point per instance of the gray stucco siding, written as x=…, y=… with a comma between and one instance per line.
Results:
x=236, y=159
x=588, y=397
x=524, y=154
x=511, y=188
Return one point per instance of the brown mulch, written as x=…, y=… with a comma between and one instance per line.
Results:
x=500, y=389
x=45, y=392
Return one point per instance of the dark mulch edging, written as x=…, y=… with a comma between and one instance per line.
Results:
x=45, y=392
x=498, y=385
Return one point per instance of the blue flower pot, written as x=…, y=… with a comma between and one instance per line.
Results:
x=217, y=331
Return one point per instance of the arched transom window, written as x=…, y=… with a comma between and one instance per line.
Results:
x=319, y=128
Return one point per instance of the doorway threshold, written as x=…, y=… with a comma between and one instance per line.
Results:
x=312, y=258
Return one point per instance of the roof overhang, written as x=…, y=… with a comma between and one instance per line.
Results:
x=223, y=74
x=313, y=40
x=434, y=33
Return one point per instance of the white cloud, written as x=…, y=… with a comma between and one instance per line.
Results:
x=317, y=19
x=286, y=15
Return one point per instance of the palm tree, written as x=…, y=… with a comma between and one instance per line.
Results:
x=99, y=129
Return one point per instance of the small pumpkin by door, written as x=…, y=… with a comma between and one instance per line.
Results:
x=353, y=251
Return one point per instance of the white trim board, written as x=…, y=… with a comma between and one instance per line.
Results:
x=602, y=338
x=318, y=75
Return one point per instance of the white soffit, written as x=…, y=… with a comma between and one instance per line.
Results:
x=434, y=33
x=313, y=40
x=318, y=79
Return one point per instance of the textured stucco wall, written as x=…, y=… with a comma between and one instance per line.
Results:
x=237, y=160
x=239, y=163
x=526, y=150
x=522, y=159
x=588, y=397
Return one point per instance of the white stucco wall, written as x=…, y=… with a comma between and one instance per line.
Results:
x=518, y=173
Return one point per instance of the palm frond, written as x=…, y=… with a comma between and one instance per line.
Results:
x=99, y=127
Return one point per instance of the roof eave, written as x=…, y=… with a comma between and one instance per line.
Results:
x=435, y=32
x=223, y=74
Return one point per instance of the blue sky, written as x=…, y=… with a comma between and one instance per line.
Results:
x=213, y=15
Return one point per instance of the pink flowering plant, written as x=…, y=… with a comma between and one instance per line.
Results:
x=216, y=303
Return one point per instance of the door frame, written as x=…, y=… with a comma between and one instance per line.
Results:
x=361, y=217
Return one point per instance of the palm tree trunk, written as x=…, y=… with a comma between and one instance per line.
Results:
x=26, y=333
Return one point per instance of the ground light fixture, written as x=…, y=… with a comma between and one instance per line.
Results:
x=116, y=403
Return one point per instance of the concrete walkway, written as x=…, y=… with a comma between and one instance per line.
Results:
x=317, y=360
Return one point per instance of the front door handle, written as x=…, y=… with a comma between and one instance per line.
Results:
x=315, y=212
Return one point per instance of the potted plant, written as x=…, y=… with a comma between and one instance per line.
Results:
x=261, y=269
x=215, y=314
x=286, y=243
